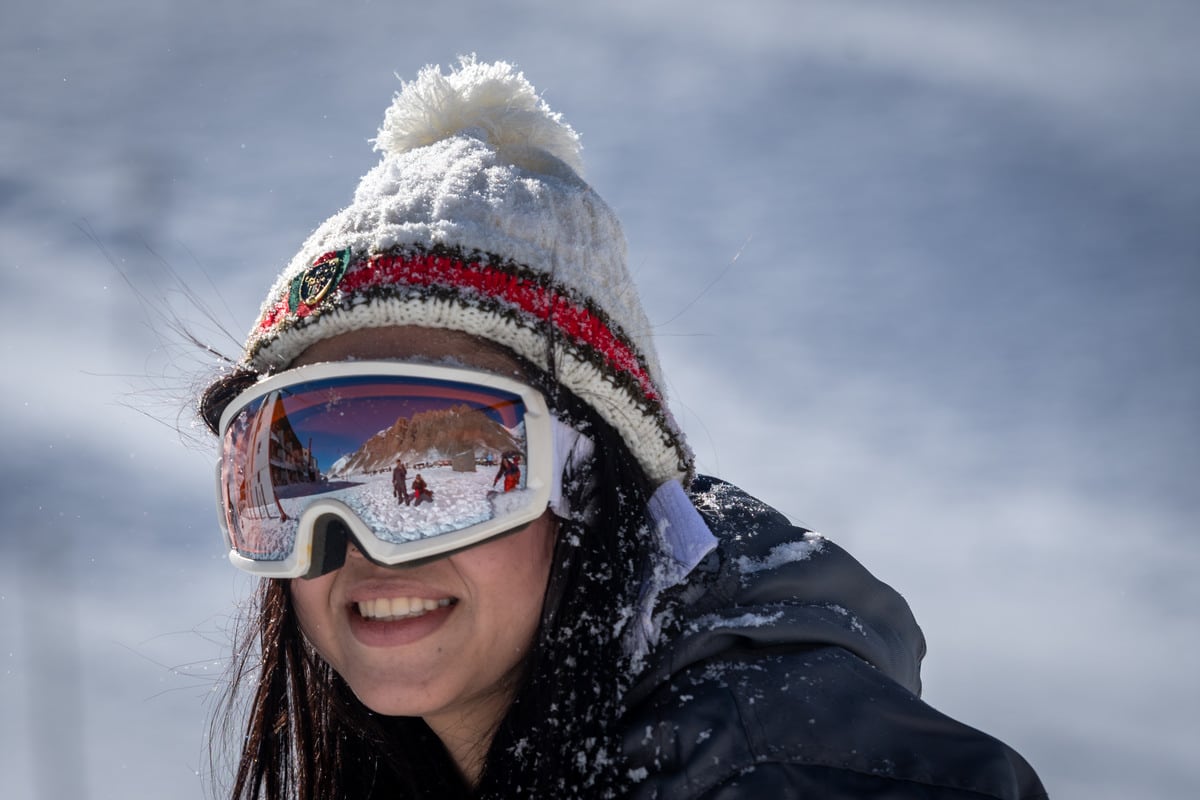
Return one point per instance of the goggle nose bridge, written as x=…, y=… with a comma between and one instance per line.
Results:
x=326, y=527
x=330, y=537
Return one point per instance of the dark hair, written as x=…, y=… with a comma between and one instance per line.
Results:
x=221, y=392
x=307, y=736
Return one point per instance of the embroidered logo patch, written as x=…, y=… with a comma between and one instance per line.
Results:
x=311, y=286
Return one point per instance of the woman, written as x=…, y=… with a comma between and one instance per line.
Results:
x=596, y=632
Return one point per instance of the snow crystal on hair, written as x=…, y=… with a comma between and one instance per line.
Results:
x=492, y=98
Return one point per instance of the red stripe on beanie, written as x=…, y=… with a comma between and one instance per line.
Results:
x=544, y=303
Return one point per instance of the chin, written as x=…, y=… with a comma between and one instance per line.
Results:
x=381, y=701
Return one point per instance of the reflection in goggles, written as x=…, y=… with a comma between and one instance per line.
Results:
x=411, y=457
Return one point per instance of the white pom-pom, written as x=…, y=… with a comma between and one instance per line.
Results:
x=494, y=98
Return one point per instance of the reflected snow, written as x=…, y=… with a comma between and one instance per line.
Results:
x=460, y=499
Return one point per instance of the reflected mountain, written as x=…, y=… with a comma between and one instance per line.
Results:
x=460, y=435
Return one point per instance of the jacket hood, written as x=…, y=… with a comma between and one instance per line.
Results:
x=770, y=584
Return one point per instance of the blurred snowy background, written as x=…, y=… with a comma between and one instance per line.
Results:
x=925, y=276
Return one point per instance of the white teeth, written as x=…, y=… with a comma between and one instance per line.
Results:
x=393, y=608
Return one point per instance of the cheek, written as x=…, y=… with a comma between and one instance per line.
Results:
x=512, y=573
x=535, y=553
x=535, y=561
x=310, y=598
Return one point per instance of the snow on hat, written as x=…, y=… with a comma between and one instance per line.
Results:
x=476, y=220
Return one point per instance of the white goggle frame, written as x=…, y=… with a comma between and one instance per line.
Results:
x=538, y=465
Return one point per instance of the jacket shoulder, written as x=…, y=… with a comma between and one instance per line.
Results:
x=785, y=669
x=818, y=722
x=771, y=581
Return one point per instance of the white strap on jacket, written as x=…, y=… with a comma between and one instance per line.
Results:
x=684, y=539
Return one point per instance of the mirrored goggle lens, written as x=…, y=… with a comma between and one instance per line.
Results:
x=411, y=457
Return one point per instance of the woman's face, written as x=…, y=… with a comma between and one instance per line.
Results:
x=454, y=661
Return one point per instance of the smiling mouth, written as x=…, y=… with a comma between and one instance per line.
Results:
x=388, y=609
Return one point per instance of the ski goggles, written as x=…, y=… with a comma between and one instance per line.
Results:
x=410, y=461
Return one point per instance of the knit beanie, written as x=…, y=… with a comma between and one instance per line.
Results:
x=476, y=219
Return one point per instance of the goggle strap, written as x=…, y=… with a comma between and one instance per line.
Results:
x=572, y=450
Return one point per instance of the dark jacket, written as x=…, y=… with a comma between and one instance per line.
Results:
x=785, y=670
